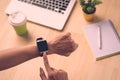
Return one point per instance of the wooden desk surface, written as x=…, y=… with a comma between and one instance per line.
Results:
x=81, y=64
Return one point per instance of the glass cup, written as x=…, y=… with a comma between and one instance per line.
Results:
x=18, y=21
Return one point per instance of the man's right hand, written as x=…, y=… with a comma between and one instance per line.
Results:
x=53, y=74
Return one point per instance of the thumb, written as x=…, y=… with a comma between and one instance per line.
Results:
x=42, y=74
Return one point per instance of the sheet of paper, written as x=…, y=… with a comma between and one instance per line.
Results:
x=110, y=42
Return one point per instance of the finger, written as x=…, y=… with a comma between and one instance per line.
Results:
x=63, y=36
x=63, y=74
x=42, y=74
x=76, y=45
x=66, y=35
x=46, y=63
x=53, y=69
x=54, y=75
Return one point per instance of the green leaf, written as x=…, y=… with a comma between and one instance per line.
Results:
x=90, y=9
x=82, y=2
x=96, y=2
x=89, y=6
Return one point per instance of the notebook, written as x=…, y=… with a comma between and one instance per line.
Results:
x=50, y=13
x=103, y=39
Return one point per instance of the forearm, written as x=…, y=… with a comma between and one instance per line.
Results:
x=62, y=45
x=14, y=56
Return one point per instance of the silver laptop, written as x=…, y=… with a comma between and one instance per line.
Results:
x=51, y=13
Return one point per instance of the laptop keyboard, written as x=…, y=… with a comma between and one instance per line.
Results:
x=59, y=6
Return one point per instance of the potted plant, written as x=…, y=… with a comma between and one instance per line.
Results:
x=89, y=8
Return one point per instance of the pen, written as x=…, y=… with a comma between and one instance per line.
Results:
x=99, y=37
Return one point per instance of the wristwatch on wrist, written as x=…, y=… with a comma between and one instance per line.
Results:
x=41, y=45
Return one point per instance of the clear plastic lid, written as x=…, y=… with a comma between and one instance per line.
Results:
x=17, y=19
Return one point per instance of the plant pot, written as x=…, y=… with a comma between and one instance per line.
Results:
x=89, y=17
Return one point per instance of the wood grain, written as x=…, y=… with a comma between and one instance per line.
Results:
x=81, y=64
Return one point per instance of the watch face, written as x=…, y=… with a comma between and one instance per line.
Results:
x=42, y=45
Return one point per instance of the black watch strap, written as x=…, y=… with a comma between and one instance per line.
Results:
x=41, y=45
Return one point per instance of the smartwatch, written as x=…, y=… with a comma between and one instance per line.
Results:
x=41, y=45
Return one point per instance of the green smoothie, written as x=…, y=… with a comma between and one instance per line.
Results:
x=18, y=21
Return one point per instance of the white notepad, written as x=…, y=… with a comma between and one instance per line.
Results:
x=104, y=35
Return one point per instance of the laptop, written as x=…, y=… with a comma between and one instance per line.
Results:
x=50, y=13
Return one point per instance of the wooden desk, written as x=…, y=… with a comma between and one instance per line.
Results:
x=81, y=64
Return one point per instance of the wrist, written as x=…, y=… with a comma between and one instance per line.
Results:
x=50, y=49
x=43, y=46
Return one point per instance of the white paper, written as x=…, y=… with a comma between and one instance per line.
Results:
x=109, y=37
